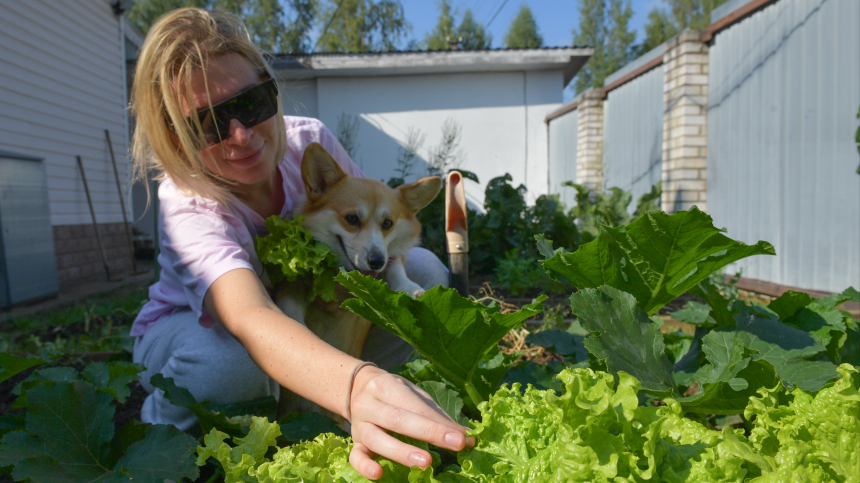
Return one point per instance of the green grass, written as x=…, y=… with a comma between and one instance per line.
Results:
x=99, y=324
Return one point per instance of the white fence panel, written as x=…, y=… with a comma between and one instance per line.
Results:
x=633, y=135
x=783, y=98
x=562, y=156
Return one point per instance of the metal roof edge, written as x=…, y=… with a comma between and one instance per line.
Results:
x=726, y=8
x=642, y=60
x=567, y=59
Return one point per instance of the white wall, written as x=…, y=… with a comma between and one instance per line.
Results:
x=501, y=115
x=61, y=85
x=782, y=115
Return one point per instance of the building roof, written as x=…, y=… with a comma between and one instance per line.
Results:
x=567, y=59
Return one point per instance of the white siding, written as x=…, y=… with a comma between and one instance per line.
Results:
x=784, y=91
x=61, y=85
x=501, y=115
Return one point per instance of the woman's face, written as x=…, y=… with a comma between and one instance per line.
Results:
x=247, y=155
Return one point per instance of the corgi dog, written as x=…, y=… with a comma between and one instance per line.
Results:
x=370, y=226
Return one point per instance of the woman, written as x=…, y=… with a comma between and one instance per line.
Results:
x=209, y=120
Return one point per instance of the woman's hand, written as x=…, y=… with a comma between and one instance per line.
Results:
x=382, y=402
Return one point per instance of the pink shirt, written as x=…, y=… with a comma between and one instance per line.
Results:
x=200, y=239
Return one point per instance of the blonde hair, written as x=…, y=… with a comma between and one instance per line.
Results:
x=178, y=43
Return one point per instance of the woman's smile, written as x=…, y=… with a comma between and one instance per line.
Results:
x=245, y=155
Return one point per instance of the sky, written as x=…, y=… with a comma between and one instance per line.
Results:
x=555, y=18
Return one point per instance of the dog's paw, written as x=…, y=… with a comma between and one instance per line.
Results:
x=417, y=293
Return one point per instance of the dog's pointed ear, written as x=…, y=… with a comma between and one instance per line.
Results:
x=420, y=193
x=319, y=171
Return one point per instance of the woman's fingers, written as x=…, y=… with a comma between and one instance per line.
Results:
x=390, y=403
x=378, y=442
x=362, y=460
x=403, y=408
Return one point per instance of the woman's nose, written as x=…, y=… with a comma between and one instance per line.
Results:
x=239, y=134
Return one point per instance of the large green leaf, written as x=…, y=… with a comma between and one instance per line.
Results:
x=297, y=427
x=453, y=332
x=69, y=435
x=794, y=353
x=729, y=379
x=182, y=397
x=11, y=364
x=624, y=336
x=656, y=258
x=447, y=398
x=74, y=427
x=166, y=453
x=112, y=378
x=790, y=302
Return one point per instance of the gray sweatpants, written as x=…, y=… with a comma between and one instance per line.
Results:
x=213, y=365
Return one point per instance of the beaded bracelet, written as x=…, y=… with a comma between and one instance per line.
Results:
x=349, y=389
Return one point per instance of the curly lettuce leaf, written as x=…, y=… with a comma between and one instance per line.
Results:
x=812, y=434
x=323, y=459
x=289, y=251
x=593, y=431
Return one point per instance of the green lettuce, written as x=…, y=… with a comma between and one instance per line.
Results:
x=594, y=431
x=809, y=436
x=289, y=252
x=323, y=459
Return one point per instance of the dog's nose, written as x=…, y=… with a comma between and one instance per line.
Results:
x=375, y=260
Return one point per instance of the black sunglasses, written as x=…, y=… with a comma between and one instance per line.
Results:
x=250, y=107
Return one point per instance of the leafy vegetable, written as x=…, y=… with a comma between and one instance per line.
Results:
x=289, y=252
x=624, y=336
x=655, y=258
x=452, y=332
x=324, y=459
x=69, y=436
x=11, y=364
x=814, y=437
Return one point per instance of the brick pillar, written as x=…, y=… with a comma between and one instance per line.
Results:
x=685, y=122
x=589, y=141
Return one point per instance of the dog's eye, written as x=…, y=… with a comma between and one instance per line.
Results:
x=352, y=219
x=387, y=224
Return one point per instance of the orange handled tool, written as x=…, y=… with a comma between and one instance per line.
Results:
x=457, y=233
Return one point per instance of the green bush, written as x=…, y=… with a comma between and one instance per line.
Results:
x=501, y=240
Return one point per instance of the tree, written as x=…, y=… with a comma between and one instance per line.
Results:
x=268, y=24
x=144, y=13
x=471, y=34
x=443, y=34
x=664, y=24
x=523, y=31
x=361, y=26
x=658, y=29
x=607, y=31
x=297, y=37
x=619, y=46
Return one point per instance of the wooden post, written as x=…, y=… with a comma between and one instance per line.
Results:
x=93, y=213
x=122, y=203
x=457, y=233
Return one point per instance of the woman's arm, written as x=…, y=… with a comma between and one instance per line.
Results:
x=298, y=360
